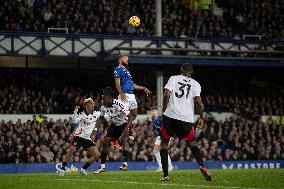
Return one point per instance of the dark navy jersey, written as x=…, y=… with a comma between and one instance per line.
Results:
x=126, y=81
x=156, y=123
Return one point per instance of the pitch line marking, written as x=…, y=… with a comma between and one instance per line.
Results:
x=162, y=184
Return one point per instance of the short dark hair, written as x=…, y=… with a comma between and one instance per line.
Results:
x=120, y=56
x=187, y=69
x=154, y=108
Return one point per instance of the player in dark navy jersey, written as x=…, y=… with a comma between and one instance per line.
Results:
x=156, y=121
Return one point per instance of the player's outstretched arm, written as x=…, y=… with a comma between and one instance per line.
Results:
x=138, y=87
x=167, y=95
x=199, y=109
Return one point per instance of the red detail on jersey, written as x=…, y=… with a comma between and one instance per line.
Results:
x=190, y=135
x=79, y=132
x=164, y=132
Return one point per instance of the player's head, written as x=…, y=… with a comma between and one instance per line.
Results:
x=89, y=104
x=154, y=111
x=107, y=97
x=123, y=60
x=187, y=70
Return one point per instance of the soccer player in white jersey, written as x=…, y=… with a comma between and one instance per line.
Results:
x=182, y=94
x=86, y=122
x=121, y=118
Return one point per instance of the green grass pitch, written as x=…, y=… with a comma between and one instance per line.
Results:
x=180, y=179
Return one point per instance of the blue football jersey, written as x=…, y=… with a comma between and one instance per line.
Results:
x=126, y=81
x=156, y=123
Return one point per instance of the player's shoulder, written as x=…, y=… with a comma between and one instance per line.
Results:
x=175, y=76
x=96, y=113
x=118, y=68
x=194, y=82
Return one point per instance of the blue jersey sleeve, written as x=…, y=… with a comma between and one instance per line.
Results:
x=117, y=72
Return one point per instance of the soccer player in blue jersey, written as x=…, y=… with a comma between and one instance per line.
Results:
x=125, y=87
x=156, y=121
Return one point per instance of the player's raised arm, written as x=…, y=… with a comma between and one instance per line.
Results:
x=76, y=117
x=138, y=87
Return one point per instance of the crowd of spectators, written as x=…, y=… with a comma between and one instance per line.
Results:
x=236, y=138
x=111, y=17
x=243, y=136
x=39, y=92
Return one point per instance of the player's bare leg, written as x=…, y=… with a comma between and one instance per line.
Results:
x=134, y=115
x=198, y=157
x=164, y=159
x=70, y=152
x=125, y=152
x=157, y=149
x=95, y=156
x=104, y=154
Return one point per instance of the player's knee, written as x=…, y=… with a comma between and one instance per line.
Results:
x=164, y=146
x=134, y=113
x=96, y=154
x=157, y=148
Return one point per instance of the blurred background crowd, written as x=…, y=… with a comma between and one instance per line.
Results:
x=240, y=137
x=181, y=18
x=236, y=138
x=36, y=91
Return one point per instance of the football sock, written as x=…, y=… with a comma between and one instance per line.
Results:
x=164, y=159
x=197, y=155
x=103, y=157
x=125, y=155
x=64, y=164
x=169, y=161
x=103, y=166
x=86, y=165
x=158, y=158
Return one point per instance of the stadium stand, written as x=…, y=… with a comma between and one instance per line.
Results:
x=241, y=137
x=110, y=17
x=234, y=139
x=36, y=91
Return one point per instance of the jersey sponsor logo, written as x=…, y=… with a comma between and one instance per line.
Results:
x=119, y=104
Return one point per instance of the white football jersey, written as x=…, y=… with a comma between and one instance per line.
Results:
x=86, y=123
x=118, y=112
x=181, y=102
